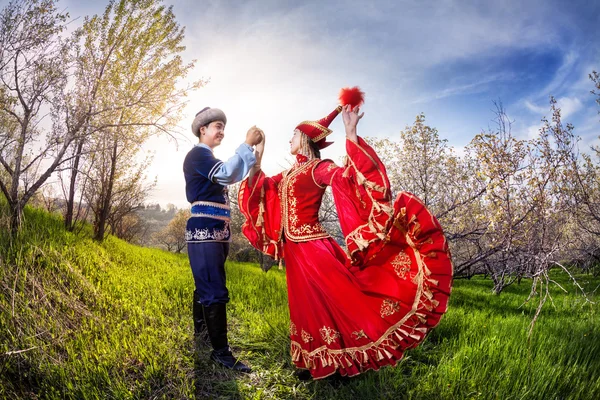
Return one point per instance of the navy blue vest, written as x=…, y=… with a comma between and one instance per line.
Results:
x=210, y=201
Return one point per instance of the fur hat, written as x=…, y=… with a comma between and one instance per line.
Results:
x=205, y=117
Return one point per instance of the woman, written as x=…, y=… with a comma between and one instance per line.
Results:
x=357, y=309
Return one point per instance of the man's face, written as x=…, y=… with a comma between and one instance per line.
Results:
x=213, y=134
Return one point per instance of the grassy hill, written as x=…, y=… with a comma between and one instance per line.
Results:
x=83, y=320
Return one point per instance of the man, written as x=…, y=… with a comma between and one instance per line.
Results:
x=207, y=231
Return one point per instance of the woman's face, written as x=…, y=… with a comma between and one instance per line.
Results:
x=296, y=142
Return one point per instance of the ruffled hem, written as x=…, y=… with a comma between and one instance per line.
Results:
x=416, y=255
x=353, y=361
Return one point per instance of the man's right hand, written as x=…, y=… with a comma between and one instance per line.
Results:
x=254, y=136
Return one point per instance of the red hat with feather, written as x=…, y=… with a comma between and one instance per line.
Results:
x=317, y=131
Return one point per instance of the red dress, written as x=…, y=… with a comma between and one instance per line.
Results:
x=358, y=309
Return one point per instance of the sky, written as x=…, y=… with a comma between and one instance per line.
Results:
x=275, y=63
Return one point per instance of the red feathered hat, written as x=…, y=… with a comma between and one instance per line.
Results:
x=317, y=131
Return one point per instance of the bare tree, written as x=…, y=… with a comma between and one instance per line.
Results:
x=595, y=78
x=139, y=95
x=502, y=203
x=128, y=198
x=422, y=163
x=173, y=236
x=527, y=198
x=586, y=201
x=34, y=60
x=329, y=218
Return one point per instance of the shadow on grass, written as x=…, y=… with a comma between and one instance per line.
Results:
x=382, y=384
x=213, y=381
x=19, y=379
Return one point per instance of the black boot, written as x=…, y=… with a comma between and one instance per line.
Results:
x=200, y=331
x=303, y=375
x=216, y=322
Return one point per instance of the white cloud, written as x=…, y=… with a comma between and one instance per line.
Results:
x=535, y=108
x=275, y=63
x=468, y=88
x=433, y=32
x=533, y=131
x=568, y=106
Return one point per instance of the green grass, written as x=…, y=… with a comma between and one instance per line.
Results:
x=83, y=320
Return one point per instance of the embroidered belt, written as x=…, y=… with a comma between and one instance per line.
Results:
x=211, y=210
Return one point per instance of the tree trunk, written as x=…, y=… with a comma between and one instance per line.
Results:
x=105, y=209
x=69, y=225
x=16, y=217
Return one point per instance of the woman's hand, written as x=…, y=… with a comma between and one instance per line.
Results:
x=260, y=147
x=351, y=118
x=258, y=153
x=253, y=136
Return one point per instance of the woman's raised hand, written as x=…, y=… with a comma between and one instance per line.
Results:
x=260, y=147
x=351, y=118
x=258, y=153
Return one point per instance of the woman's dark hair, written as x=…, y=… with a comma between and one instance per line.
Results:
x=314, y=148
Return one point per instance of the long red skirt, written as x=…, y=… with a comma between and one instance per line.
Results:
x=354, y=318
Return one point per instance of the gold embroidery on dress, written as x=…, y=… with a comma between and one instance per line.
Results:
x=306, y=337
x=401, y=264
x=402, y=334
x=293, y=329
x=290, y=204
x=359, y=334
x=328, y=334
x=389, y=307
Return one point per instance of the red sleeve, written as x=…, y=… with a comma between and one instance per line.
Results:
x=363, y=200
x=259, y=203
x=324, y=172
